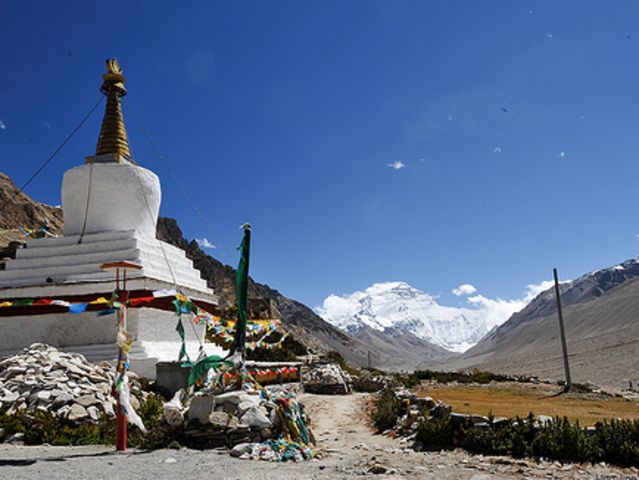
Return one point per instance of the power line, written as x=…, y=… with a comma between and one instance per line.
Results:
x=57, y=150
x=168, y=167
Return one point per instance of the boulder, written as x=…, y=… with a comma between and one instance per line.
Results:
x=77, y=412
x=201, y=408
x=327, y=379
x=219, y=419
x=241, y=449
x=255, y=418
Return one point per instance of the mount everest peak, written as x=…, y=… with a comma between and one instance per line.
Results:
x=391, y=306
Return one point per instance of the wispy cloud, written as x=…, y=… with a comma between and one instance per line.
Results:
x=396, y=165
x=464, y=289
x=3, y=126
x=204, y=243
x=497, y=149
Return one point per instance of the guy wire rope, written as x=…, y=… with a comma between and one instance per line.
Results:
x=168, y=167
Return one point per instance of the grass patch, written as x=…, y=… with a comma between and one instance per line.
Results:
x=517, y=400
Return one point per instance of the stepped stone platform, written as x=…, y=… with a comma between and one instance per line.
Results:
x=76, y=259
x=69, y=268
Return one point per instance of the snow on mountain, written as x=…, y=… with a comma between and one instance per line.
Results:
x=391, y=305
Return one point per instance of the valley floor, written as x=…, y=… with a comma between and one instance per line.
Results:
x=347, y=443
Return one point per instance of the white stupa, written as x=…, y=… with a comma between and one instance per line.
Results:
x=111, y=208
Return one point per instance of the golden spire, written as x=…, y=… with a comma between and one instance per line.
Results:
x=113, y=139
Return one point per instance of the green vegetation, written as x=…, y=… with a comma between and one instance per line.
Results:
x=42, y=427
x=387, y=409
x=475, y=376
x=612, y=441
x=615, y=441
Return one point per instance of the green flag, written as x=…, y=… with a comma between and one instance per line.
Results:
x=241, y=292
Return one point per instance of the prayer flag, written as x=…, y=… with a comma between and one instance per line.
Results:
x=77, y=307
x=241, y=291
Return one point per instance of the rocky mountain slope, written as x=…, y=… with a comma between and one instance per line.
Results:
x=602, y=328
x=393, y=307
x=306, y=325
x=396, y=351
x=19, y=210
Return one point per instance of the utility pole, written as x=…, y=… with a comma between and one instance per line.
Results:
x=369, y=359
x=564, y=347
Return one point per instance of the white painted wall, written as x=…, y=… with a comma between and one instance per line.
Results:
x=117, y=199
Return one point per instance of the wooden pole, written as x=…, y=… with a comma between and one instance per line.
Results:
x=120, y=418
x=564, y=347
x=369, y=359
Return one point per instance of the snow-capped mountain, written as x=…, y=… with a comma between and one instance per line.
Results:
x=398, y=305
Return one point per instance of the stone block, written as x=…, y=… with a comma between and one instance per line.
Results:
x=201, y=408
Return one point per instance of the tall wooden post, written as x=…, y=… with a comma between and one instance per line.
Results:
x=564, y=347
x=123, y=297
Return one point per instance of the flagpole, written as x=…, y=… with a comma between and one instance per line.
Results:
x=241, y=294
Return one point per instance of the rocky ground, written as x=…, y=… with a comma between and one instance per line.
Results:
x=348, y=446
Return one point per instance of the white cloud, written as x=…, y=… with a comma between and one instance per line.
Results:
x=204, y=243
x=534, y=289
x=396, y=165
x=3, y=126
x=549, y=36
x=561, y=155
x=464, y=289
x=497, y=150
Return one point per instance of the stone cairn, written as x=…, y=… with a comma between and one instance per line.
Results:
x=41, y=377
x=327, y=379
x=370, y=383
x=211, y=420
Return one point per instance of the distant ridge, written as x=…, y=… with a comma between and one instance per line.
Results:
x=601, y=313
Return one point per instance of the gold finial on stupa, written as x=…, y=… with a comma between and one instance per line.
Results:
x=113, y=138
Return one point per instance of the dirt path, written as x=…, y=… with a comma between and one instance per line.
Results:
x=348, y=447
x=351, y=447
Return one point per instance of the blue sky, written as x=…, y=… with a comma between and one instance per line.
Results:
x=515, y=121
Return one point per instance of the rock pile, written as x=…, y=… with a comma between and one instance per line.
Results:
x=41, y=377
x=413, y=410
x=327, y=379
x=213, y=420
x=369, y=383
